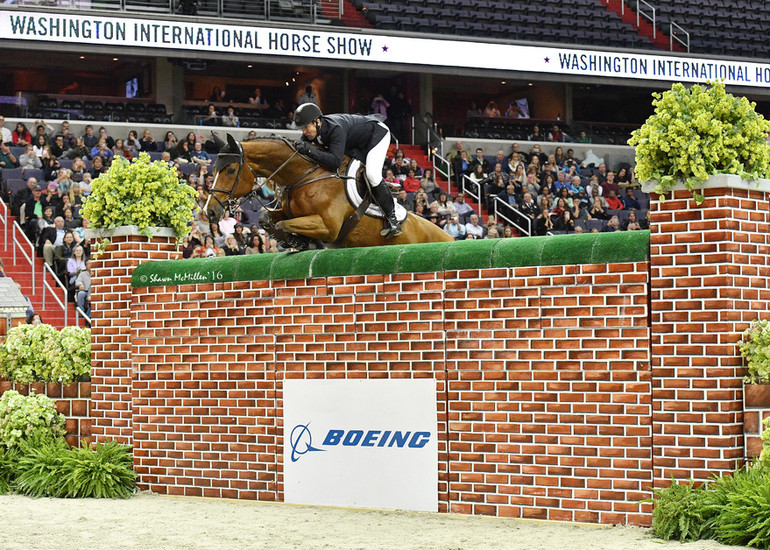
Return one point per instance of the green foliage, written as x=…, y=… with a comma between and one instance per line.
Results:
x=49, y=468
x=678, y=512
x=755, y=348
x=764, y=456
x=40, y=353
x=28, y=417
x=697, y=132
x=142, y=193
x=105, y=471
x=744, y=509
x=8, y=467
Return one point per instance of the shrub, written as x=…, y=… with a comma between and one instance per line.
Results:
x=39, y=468
x=28, y=417
x=755, y=348
x=40, y=353
x=697, y=132
x=744, y=515
x=678, y=512
x=142, y=193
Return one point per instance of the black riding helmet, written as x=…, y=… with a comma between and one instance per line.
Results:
x=306, y=113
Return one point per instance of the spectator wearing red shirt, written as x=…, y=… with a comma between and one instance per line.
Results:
x=411, y=183
x=610, y=185
x=21, y=136
x=613, y=202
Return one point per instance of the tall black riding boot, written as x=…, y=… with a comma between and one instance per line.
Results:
x=384, y=199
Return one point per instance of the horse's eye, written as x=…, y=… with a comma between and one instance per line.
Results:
x=231, y=171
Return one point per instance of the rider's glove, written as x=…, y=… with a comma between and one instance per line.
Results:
x=303, y=148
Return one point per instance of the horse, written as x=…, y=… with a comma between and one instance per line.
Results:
x=312, y=204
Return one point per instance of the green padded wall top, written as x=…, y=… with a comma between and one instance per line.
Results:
x=586, y=248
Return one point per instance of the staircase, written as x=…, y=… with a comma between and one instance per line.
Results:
x=351, y=17
x=417, y=152
x=645, y=28
x=21, y=272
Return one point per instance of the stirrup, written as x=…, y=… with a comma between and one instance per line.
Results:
x=392, y=229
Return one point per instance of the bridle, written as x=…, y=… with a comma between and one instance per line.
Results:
x=231, y=203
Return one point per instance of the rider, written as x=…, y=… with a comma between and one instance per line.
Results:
x=365, y=138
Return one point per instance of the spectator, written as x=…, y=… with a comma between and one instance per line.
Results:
x=455, y=228
x=612, y=225
x=21, y=136
x=231, y=246
x=229, y=119
x=434, y=217
x=29, y=160
x=399, y=113
x=613, y=202
x=226, y=224
x=455, y=152
x=199, y=155
x=632, y=220
x=411, y=183
x=217, y=95
x=629, y=200
x=89, y=139
x=473, y=229
x=492, y=232
x=132, y=143
x=461, y=166
x=543, y=222
x=379, y=106
x=478, y=176
x=309, y=96
x=405, y=200
x=83, y=289
x=148, y=142
x=473, y=111
x=462, y=208
x=183, y=153
x=97, y=167
x=6, y=136
x=7, y=158
x=76, y=263
x=528, y=206
x=209, y=248
x=564, y=222
x=601, y=173
x=609, y=184
x=256, y=244
x=51, y=238
x=445, y=206
x=623, y=177
x=557, y=135
x=597, y=211
x=492, y=110
x=258, y=101
x=120, y=150
x=582, y=137
x=428, y=183
x=508, y=232
x=537, y=134
x=240, y=236
x=34, y=319
x=479, y=159
x=498, y=171
x=78, y=151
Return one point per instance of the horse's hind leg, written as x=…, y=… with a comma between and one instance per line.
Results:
x=310, y=226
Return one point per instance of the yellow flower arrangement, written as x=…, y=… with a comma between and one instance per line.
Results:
x=697, y=132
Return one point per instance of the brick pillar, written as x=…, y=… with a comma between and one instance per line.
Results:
x=708, y=277
x=112, y=375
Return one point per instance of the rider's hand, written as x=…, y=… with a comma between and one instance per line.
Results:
x=303, y=147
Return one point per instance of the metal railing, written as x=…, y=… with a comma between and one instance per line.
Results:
x=672, y=36
x=279, y=10
x=4, y=220
x=46, y=286
x=82, y=314
x=18, y=244
x=508, y=208
x=651, y=17
x=472, y=188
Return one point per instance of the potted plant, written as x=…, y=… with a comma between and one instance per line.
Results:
x=755, y=349
x=139, y=197
x=700, y=137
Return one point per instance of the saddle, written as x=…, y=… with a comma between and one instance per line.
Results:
x=356, y=188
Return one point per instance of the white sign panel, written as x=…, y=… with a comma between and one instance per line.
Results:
x=361, y=443
x=447, y=52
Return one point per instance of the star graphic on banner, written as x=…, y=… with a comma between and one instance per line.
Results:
x=384, y=48
x=547, y=59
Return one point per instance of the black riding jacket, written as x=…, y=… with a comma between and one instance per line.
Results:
x=341, y=134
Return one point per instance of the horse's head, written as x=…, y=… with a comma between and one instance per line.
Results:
x=232, y=178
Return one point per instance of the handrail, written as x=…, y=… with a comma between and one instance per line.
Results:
x=20, y=245
x=437, y=170
x=4, y=221
x=80, y=313
x=527, y=231
x=671, y=36
x=639, y=14
x=477, y=194
x=63, y=305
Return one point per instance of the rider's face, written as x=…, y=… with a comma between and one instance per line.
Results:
x=310, y=131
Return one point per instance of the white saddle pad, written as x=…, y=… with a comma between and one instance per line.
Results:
x=351, y=189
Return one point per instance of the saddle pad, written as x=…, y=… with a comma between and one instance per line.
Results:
x=354, y=197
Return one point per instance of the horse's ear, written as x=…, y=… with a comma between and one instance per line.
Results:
x=231, y=142
x=218, y=140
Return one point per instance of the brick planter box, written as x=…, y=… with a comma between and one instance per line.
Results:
x=756, y=407
x=72, y=400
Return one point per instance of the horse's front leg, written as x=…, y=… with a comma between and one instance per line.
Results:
x=312, y=226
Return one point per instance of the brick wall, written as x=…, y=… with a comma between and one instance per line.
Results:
x=709, y=275
x=542, y=376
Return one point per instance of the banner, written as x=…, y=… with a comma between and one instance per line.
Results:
x=362, y=443
x=209, y=37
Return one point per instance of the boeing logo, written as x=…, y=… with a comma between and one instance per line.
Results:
x=301, y=439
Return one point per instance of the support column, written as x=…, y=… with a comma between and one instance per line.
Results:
x=169, y=86
x=112, y=375
x=709, y=280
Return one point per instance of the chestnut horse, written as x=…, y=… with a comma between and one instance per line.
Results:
x=312, y=200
